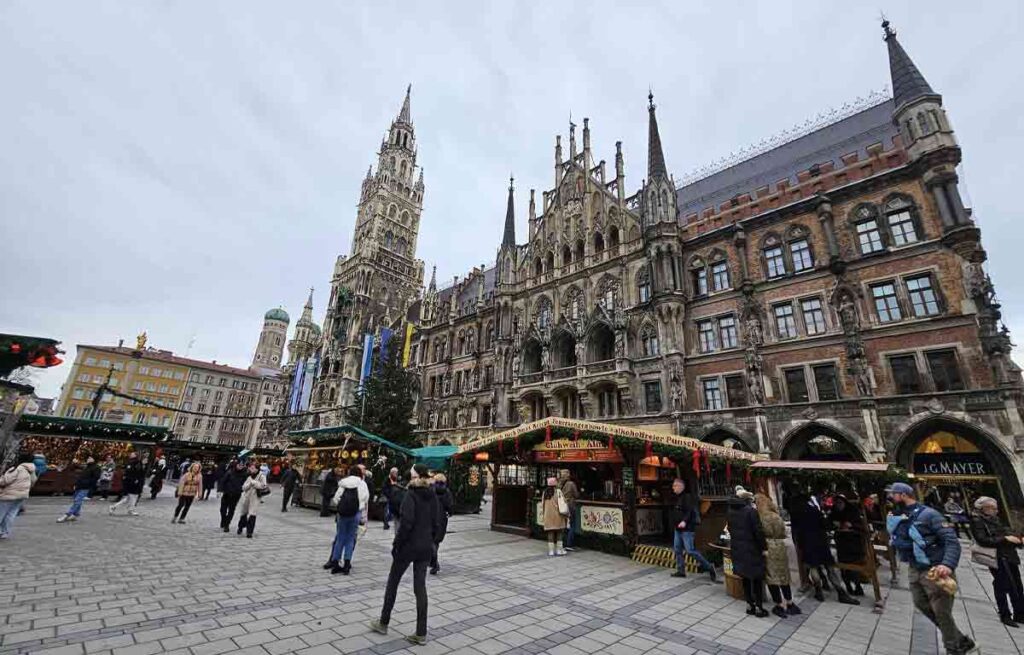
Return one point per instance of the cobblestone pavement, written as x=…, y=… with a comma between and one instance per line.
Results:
x=140, y=585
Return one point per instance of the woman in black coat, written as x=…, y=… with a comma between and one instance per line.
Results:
x=328, y=489
x=446, y=504
x=811, y=527
x=749, y=548
x=850, y=528
x=989, y=531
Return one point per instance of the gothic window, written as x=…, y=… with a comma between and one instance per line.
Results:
x=566, y=255
x=405, y=219
x=550, y=266
x=574, y=303
x=460, y=348
x=538, y=267
x=649, y=346
x=488, y=335
x=403, y=169
x=699, y=277
x=543, y=313
x=598, y=242
x=607, y=294
x=922, y=122
x=613, y=236
x=388, y=238
x=392, y=211
x=580, y=248
x=643, y=284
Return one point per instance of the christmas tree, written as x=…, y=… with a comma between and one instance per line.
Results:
x=384, y=404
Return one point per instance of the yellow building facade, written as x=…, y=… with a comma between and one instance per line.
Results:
x=143, y=373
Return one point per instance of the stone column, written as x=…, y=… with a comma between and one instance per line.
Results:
x=740, y=243
x=828, y=224
x=945, y=211
x=953, y=195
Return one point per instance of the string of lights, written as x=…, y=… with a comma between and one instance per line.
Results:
x=153, y=403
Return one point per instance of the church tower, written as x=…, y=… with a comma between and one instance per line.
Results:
x=375, y=283
x=307, y=335
x=270, y=349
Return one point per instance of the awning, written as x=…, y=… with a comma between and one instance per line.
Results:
x=327, y=436
x=565, y=427
x=435, y=457
x=76, y=428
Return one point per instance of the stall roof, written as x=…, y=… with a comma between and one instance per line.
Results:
x=822, y=466
x=218, y=448
x=435, y=456
x=672, y=440
x=76, y=428
x=319, y=434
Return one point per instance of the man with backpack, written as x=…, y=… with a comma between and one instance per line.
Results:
x=928, y=544
x=351, y=500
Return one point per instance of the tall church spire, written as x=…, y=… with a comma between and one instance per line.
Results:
x=405, y=115
x=655, y=157
x=908, y=83
x=509, y=240
x=307, y=310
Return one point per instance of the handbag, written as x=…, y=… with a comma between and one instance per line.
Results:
x=985, y=555
x=563, y=507
x=260, y=493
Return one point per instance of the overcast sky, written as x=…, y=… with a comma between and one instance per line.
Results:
x=181, y=167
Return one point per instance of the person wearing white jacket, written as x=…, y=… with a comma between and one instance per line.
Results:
x=251, y=491
x=14, y=487
x=351, y=499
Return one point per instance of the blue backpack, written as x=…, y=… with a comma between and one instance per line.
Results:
x=904, y=535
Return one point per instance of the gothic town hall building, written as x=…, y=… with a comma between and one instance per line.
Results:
x=823, y=299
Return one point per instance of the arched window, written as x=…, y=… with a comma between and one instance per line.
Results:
x=566, y=255
x=901, y=221
x=698, y=277
x=460, y=344
x=643, y=284
x=598, y=242
x=543, y=313
x=388, y=238
x=405, y=219
x=579, y=250
x=608, y=294
x=403, y=168
x=488, y=335
x=538, y=267
x=613, y=236
x=574, y=304
x=392, y=211
x=506, y=273
x=550, y=266
x=332, y=395
x=649, y=346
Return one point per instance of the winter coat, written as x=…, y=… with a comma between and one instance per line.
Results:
x=232, y=482
x=133, y=478
x=550, y=516
x=941, y=545
x=191, y=484
x=250, y=499
x=17, y=482
x=810, y=532
x=289, y=478
x=778, y=559
x=683, y=509
x=990, y=532
x=571, y=493
x=417, y=531
x=446, y=502
x=329, y=487
x=88, y=478
x=396, y=496
x=849, y=541
x=357, y=483
x=107, y=475
x=747, y=539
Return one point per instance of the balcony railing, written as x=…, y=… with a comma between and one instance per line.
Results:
x=601, y=367
x=562, y=373
x=530, y=378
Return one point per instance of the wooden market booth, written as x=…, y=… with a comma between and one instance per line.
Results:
x=67, y=442
x=314, y=452
x=857, y=480
x=466, y=479
x=625, y=477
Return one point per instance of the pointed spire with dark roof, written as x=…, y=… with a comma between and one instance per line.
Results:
x=655, y=157
x=907, y=81
x=405, y=115
x=433, y=279
x=509, y=240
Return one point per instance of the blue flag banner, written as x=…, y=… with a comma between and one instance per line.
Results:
x=293, y=399
x=307, y=382
x=385, y=339
x=367, y=358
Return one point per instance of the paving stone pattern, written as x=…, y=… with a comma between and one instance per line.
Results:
x=140, y=585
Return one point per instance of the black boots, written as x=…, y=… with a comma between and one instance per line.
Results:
x=331, y=563
x=344, y=570
x=250, y=527
x=759, y=612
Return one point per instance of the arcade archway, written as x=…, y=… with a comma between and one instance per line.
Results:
x=820, y=443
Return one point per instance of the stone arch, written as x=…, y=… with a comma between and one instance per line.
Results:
x=531, y=357
x=796, y=443
x=613, y=236
x=919, y=427
x=563, y=349
x=598, y=242
x=730, y=436
x=600, y=342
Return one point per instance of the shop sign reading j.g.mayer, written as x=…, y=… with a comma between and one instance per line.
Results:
x=951, y=464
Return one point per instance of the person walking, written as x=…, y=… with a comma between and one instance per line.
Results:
x=810, y=532
x=252, y=491
x=849, y=531
x=209, y=480
x=685, y=517
x=389, y=484
x=328, y=488
x=133, y=479
x=990, y=532
x=231, y=492
x=156, y=483
x=446, y=505
x=571, y=493
x=190, y=486
x=86, y=482
x=289, y=481
x=351, y=500
x=15, y=485
x=777, y=559
x=957, y=514
x=931, y=550
x=554, y=511
x=415, y=535
x=749, y=549
x=106, y=476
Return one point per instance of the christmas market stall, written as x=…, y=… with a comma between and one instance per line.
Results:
x=466, y=479
x=180, y=451
x=624, y=475
x=315, y=452
x=66, y=444
x=853, y=496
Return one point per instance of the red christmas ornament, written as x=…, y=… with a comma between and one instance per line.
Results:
x=707, y=463
x=728, y=471
x=547, y=436
x=696, y=463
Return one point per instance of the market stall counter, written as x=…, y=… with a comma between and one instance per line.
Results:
x=623, y=475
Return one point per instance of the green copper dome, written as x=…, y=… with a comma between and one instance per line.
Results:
x=277, y=314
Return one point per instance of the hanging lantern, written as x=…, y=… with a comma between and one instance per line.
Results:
x=344, y=454
x=547, y=436
x=696, y=463
x=728, y=471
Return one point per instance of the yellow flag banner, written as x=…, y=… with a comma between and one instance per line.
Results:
x=408, y=344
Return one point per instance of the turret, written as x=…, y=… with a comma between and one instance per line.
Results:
x=659, y=191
